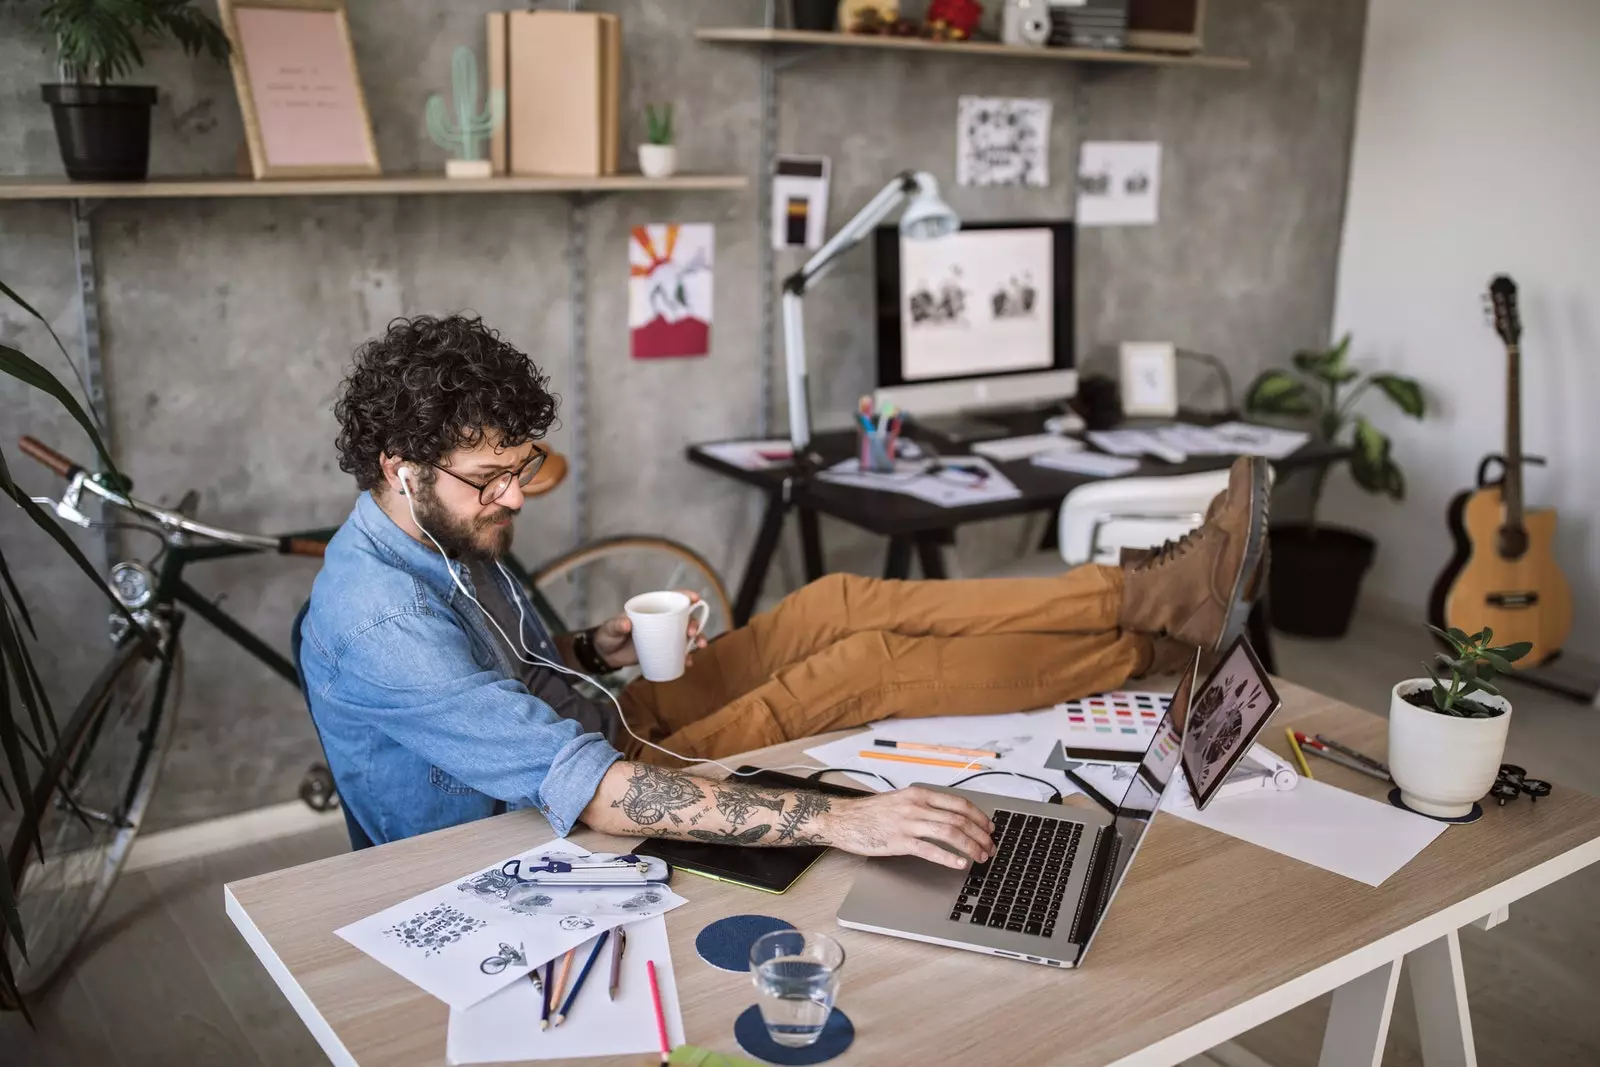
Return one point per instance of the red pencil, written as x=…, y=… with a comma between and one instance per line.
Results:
x=661, y=1018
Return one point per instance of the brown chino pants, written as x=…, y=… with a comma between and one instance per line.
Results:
x=847, y=650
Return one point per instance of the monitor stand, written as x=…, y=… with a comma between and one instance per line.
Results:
x=962, y=428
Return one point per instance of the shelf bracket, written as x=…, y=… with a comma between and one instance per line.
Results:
x=578, y=377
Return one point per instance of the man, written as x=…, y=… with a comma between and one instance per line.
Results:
x=419, y=658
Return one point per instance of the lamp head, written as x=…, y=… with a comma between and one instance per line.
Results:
x=927, y=216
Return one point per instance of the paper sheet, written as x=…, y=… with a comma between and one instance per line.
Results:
x=1024, y=740
x=948, y=489
x=1315, y=823
x=506, y=1026
x=445, y=940
x=1092, y=464
x=751, y=455
x=1227, y=439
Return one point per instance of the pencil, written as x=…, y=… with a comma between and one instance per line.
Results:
x=561, y=981
x=618, y=943
x=926, y=761
x=949, y=750
x=1376, y=765
x=1323, y=752
x=594, y=954
x=661, y=1018
x=549, y=973
x=1299, y=757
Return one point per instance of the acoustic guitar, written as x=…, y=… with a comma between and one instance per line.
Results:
x=1503, y=574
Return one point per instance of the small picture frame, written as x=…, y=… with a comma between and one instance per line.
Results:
x=1149, y=373
x=305, y=115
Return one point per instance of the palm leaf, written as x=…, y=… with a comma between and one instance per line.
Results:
x=28, y=372
x=29, y=308
x=23, y=677
x=16, y=597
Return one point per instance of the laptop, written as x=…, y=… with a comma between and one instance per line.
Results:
x=1044, y=894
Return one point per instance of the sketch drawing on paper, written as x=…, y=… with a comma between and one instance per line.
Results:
x=491, y=885
x=1003, y=141
x=506, y=957
x=648, y=899
x=1016, y=299
x=435, y=928
x=942, y=308
x=1228, y=711
x=577, y=922
x=669, y=290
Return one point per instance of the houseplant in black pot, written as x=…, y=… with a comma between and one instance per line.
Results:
x=1317, y=569
x=103, y=127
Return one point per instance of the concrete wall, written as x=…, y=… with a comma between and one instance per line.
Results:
x=228, y=322
x=1457, y=176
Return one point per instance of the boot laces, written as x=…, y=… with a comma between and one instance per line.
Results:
x=1172, y=550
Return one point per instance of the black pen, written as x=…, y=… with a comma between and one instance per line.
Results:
x=1352, y=753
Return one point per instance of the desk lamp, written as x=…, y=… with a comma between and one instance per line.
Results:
x=926, y=217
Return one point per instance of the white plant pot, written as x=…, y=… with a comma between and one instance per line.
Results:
x=1442, y=763
x=468, y=168
x=658, y=160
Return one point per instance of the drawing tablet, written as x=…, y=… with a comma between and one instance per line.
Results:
x=1228, y=711
x=771, y=870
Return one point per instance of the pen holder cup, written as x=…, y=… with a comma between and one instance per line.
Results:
x=876, y=450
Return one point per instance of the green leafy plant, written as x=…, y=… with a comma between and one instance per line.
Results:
x=658, y=123
x=1473, y=663
x=27, y=723
x=98, y=40
x=1324, y=387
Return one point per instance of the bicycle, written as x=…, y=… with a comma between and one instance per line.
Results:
x=95, y=786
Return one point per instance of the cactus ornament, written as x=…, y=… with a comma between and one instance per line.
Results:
x=472, y=126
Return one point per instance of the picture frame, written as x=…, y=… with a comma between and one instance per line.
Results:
x=1149, y=378
x=294, y=67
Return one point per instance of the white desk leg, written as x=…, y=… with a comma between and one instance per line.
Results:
x=1358, y=1025
x=1494, y=918
x=1440, y=990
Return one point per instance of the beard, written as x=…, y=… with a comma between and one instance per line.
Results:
x=478, y=539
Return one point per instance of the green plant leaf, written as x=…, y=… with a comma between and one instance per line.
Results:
x=1370, y=457
x=23, y=678
x=1405, y=392
x=28, y=372
x=1486, y=687
x=16, y=596
x=1513, y=652
x=1277, y=392
x=11, y=745
x=1456, y=635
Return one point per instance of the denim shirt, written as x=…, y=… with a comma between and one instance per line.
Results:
x=424, y=722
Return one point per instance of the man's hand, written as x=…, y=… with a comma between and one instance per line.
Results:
x=613, y=639
x=913, y=822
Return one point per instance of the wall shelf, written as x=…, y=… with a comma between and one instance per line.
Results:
x=389, y=185
x=756, y=35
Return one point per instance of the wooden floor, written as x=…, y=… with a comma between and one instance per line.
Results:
x=165, y=979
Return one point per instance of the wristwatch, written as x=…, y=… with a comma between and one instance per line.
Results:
x=589, y=657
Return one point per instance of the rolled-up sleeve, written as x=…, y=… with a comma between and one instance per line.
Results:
x=413, y=676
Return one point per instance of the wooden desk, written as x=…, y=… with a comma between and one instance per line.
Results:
x=1209, y=938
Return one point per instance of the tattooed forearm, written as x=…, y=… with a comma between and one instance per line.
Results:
x=738, y=802
x=798, y=826
x=654, y=794
x=753, y=836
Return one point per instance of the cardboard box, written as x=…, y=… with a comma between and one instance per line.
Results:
x=562, y=75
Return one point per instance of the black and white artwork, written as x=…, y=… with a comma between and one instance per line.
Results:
x=1119, y=183
x=430, y=931
x=1003, y=141
x=577, y=922
x=1224, y=718
x=977, y=295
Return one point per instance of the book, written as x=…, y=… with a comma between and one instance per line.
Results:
x=562, y=92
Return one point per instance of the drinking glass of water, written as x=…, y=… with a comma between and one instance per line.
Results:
x=797, y=975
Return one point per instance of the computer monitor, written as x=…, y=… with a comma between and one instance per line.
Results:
x=978, y=319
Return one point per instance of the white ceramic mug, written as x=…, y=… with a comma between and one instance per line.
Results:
x=661, y=631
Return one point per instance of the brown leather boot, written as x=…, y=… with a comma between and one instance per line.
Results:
x=1168, y=657
x=1198, y=589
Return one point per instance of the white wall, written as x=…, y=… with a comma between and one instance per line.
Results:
x=1477, y=151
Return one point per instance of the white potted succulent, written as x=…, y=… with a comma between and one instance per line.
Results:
x=658, y=158
x=1447, y=737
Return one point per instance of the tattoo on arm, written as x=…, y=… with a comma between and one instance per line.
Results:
x=738, y=802
x=807, y=806
x=752, y=836
x=657, y=802
x=654, y=794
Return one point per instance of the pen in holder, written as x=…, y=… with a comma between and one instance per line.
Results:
x=876, y=449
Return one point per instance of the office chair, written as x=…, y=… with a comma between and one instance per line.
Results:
x=358, y=837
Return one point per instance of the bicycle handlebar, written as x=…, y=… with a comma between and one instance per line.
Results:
x=37, y=449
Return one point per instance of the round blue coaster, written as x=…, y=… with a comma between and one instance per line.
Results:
x=751, y=1033
x=726, y=943
x=1472, y=816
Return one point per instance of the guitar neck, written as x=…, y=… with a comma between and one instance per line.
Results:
x=1513, y=475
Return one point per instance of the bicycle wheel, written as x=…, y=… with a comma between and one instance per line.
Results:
x=588, y=585
x=88, y=806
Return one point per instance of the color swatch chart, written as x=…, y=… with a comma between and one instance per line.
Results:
x=1119, y=714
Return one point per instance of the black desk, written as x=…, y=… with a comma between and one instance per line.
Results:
x=915, y=525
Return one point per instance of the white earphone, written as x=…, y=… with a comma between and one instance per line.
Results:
x=532, y=658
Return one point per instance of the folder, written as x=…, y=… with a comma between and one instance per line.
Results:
x=563, y=92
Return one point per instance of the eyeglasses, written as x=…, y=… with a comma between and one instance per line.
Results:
x=491, y=491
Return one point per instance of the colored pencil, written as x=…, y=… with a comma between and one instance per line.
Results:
x=618, y=944
x=1376, y=765
x=561, y=980
x=925, y=761
x=949, y=750
x=1322, y=751
x=549, y=975
x=661, y=1017
x=594, y=954
x=1299, y=756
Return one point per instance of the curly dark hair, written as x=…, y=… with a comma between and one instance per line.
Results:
x=431, y=385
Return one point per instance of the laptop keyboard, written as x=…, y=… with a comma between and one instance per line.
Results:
x=1020, y=888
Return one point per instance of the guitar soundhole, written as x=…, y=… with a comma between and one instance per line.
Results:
x=1513, y=542
x=1526, y=599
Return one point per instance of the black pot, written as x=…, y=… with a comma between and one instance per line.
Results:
x=816, y=15
x=1315, y=578
x=103, y=130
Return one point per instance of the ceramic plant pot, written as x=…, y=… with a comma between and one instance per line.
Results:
x=658, y=160
x=1443, y=763
x=103, y=130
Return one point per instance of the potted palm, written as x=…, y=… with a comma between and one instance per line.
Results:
x=1316, y=568
x=1447, y=737
x=103, y=126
